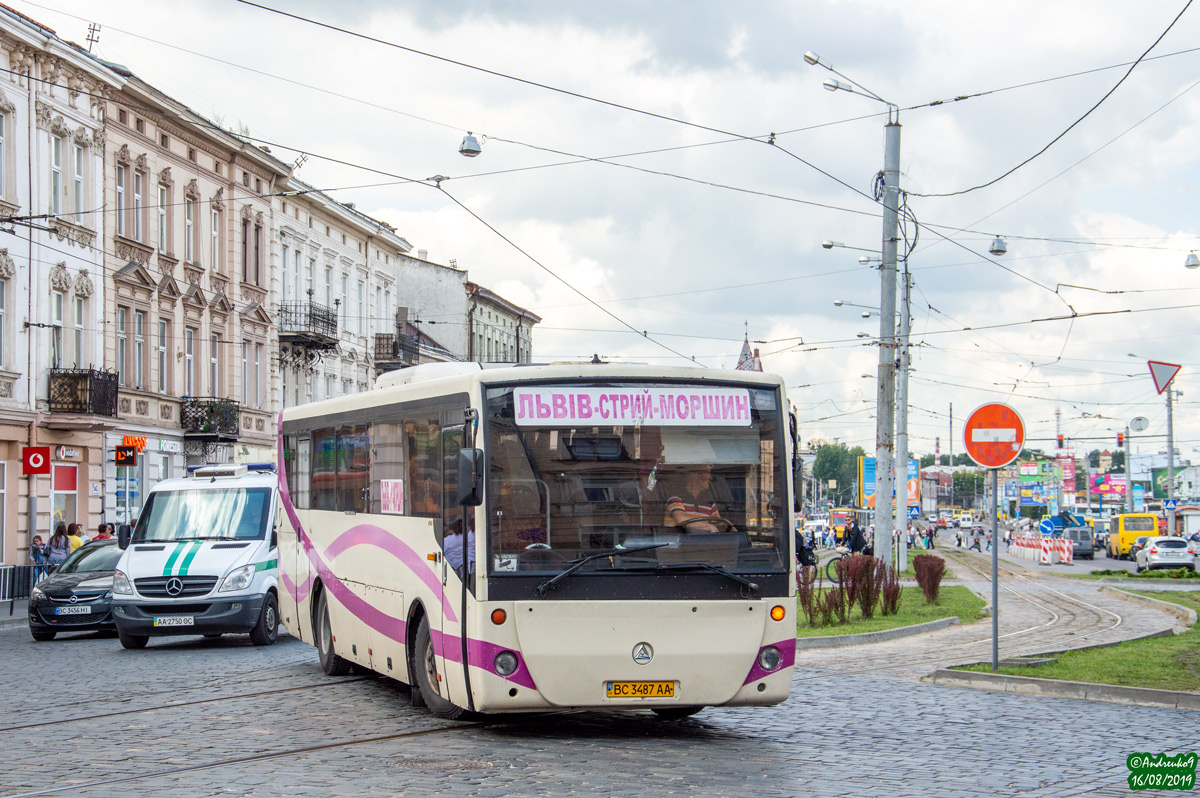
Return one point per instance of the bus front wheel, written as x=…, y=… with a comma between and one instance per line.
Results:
x=431, y=683
x=331, y=663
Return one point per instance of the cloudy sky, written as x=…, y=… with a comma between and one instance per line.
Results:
x=625, y=151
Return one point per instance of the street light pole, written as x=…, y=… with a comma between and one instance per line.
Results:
x=902, y=420
x=885, y=471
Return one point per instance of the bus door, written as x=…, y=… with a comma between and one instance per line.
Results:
x=457, y=541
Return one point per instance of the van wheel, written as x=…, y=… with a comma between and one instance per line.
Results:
x=131, y=641
x=430, y=682
x=266, y=631
x=331, y=663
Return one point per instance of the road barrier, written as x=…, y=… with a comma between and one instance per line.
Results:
x=1047, y=551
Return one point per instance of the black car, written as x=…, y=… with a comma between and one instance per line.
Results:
x=77, y=596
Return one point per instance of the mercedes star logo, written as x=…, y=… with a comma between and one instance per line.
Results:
x=174, y=586
x=643, y=653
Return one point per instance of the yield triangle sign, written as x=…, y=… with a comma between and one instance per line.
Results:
x=1162, y=373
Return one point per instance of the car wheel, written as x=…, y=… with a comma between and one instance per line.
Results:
x=266, y=631
x=331, y=663
x=41, y=636
x=132, y=641
x=430, y=682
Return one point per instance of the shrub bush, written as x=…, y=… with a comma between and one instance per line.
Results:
x=889, y=591
x=806, y=592
x=929, y=570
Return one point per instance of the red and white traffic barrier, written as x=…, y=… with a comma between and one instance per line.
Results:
x=1047, y=551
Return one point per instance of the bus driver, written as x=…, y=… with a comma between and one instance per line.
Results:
x=693, y=508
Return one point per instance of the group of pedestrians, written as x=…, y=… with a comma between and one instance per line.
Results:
x=65, y=540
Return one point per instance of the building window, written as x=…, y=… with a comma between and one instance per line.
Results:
x=329, y=383
x=245, y=372
x=258, y=254
x=286, y=272
x=162, y=357
x=214, y=362
x=163, y=195
x=56, y=329
x=189, y=230
x=3, y=320
x=3, y=157
x=214, y=246
x=78, y=183
x=189, y=362
x=258, y=384
x=139, y=349
x=245, y=249
x=122, y=345
x=137, y=206
x=328, y=286
x=362, y=308
x=80, y=352
x=345, y=299
x=56, y=177
x=120, y=200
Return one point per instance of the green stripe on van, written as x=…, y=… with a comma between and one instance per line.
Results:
x=191, y=555
x=179, y=547
x=266, y=566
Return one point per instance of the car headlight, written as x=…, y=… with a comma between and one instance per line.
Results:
x=121, y=584
x=37, y=594
x=238, y=579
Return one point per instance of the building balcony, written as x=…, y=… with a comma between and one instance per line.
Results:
x=82, y=399
x=308, y=325
x=394, y=352
x=210, y=419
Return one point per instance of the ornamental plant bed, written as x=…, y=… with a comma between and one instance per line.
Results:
x=954, y=600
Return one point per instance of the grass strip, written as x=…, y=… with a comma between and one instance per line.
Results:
x=954, y=600
x=1161, y=663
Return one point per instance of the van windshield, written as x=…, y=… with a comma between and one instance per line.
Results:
x=236, y=513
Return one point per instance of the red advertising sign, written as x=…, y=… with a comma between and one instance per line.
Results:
x=35, y=460
x=994, y=435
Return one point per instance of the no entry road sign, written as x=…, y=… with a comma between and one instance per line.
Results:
x=994, y=435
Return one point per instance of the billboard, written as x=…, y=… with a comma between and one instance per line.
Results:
x=866, y=482
x=1158, y=478
x=1108, y=484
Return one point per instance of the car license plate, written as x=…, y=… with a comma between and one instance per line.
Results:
x=640, y=689
x=79, y=609
x=174, y=620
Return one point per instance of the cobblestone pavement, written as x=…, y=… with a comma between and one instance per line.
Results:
x=87, y=718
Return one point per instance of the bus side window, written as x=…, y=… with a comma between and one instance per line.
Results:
x=424, y=483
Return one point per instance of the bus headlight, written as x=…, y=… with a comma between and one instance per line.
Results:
x=769, y=658
x=121, y=585
x=238, y=579
x=505, y=663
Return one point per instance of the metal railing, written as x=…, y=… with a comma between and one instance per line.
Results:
x=391, y=347
x=16, y=582
x=308, y=318
x=210, y=416
x=84, y=391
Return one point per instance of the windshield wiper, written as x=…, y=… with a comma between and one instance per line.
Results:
x=716, y=569
x=552, y=583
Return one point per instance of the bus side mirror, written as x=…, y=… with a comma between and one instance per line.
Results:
x=123, y=536
x=470, y=477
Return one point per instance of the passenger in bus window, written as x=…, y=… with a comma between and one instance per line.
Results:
x=693, y=508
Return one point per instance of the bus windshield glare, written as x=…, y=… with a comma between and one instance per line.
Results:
x=239, y=513
x=687, y=474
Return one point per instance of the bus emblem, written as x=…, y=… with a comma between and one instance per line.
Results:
x=643, y=653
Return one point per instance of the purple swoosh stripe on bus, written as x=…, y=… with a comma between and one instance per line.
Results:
x=371, y=535
x=482, y=654
x=299, y=593
x=787, y=648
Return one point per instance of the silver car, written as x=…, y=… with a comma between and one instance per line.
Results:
x=1166, y=553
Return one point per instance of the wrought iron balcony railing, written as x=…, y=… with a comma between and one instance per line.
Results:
x=83, y=391
x=395, y=349
x=210, y=417
x=307, y=320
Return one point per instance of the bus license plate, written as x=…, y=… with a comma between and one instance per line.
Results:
x=80, y=609
x=641, y=689
x=174, y=620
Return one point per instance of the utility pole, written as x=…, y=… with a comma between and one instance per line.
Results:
x=1128, y=475
x=1058, y=457
x=885, y=397
x=902, y=424
x=1170, y=460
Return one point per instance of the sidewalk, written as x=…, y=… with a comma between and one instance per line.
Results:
x=19, y=617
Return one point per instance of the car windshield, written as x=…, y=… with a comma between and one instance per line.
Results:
x=706, y=478
x=91, y=558
x=204, y=514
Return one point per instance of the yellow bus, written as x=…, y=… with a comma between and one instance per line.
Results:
x=1124, y=529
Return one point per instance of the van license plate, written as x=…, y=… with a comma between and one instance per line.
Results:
x=641, y=689
x=80, y=609
x=175, y=620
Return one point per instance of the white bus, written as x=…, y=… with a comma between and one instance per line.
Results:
x=580, y=588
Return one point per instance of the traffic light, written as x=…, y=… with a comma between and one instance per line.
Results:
x=1120, y=439
x=1060, y=441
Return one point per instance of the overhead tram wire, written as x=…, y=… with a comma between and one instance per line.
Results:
x=1070, y=127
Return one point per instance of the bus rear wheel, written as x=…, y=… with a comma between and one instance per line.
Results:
x=429, y=681
x=331, y=663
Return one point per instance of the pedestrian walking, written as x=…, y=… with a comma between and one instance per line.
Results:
x=59, y=547
x=975, y=544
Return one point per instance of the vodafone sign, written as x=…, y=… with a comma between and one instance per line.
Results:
x=994, y=435
x=35, y=460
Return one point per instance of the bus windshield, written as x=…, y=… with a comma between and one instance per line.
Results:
x=239, y=513
x=691, y=476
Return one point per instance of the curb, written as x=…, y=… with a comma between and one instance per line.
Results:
x=840, y=641
x=1052, y=688
x=1185, y=614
